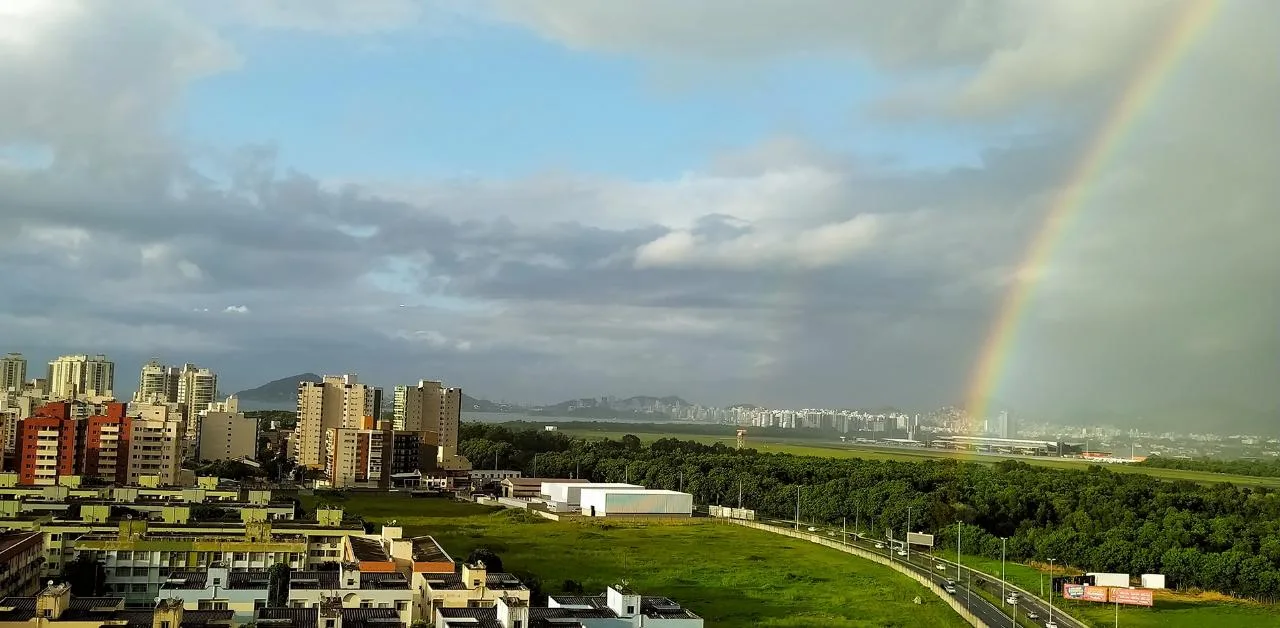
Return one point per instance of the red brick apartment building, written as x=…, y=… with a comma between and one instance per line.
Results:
x=51, y=443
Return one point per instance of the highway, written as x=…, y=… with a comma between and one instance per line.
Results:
x=925, y=564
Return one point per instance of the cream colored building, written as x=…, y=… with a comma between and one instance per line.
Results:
x=469, y=587
x=432, y=408
x=339, y=401
x=72, y=376
x=197, y=388
x=13, y=373
x=157, y=383
x=155, y=448
x=227, y=436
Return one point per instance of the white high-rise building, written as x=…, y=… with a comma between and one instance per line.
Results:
x=13, y=373
x=156, y=383
x=197, y=388
x=338, y=401
x=432, y=408
x=397, y=407
x=72, y=376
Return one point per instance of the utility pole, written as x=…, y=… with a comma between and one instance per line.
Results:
x=535, y=465
x=797, y=509
x=957, y=551
x=857, y=510
x=1002, y=595
x=844, y=529
x=682, y=480
x=739, y=495
x=906, y=542
x=1051, y=592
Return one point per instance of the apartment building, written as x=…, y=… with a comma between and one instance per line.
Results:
x=355, y=457
x=227, y=436
x=112, y=446
x=157, y=383
x=46, y=449
x=13, y=373
x=436, y=411
x=155, y=449
x=21, y=553
x=618, y=607
x=54, y=607
x=104, y=445
x=72, y=376
x=338, y=401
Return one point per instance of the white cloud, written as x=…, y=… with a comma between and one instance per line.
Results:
x=772, y=246
x=236, y=309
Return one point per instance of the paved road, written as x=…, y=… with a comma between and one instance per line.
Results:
x=925, y=564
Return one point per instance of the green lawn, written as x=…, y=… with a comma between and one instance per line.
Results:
x=730, y=575
x=843, y=450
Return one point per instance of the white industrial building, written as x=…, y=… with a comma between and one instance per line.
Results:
x=612, y=502
x=563, y=496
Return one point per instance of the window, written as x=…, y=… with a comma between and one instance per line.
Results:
x=631, y=610
x=124, y=555
x=366, y=604
x=257, y=604
x=164, y=624
x=140, y=572
x=139, y=588
x=518, y=624
x=402, y=606
x=217, y=582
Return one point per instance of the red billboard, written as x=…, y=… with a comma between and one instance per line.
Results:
x=1136, y=597
x=1084, y=592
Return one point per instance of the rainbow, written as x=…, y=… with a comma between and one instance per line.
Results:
x=1152, y=73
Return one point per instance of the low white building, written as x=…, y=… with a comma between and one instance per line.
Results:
x=568, y=495
x=613, y=502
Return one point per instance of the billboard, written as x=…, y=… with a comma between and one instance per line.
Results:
x=1084, y=592
x=1135, y=597
x=915, y=538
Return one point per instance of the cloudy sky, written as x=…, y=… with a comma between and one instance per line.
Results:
x=803, y=203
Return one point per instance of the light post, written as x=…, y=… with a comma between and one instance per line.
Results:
x=1002, y=593
x=958, y=551
x=1051, y=589
x=906, y=542
x=797, y=509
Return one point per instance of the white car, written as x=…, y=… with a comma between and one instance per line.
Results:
x=1032, y=615
x=949, y=588
x=812, y=529
x=902, y=552
x=940, y=567
x=1011, y=600
x=1050, y=624
x=879, y=545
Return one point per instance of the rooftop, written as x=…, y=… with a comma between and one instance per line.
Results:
x=537, y=482
x=106, y=609
x=494, y=581
x=370, y=550
x=427, y=550
x=308, y=617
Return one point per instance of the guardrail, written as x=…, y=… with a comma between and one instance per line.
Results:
x=875, y=558
x=1057, y=611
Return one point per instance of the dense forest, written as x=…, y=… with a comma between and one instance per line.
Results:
x=1223, y=537
x=1257, y=468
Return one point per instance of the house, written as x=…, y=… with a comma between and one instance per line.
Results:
x=471, y=585
x=54, y=606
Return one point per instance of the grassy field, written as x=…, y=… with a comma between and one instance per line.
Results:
x=731, y=576
x=841, y=450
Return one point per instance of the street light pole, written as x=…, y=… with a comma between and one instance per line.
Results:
x=1002, y=594
x=797, y=509
x=1051, y=589
x=907, y=541
x=957, y=551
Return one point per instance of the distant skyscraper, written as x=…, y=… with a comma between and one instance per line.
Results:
x=197, y=388
x=1004, y=425
x=71, y=376
x=338, y=401
x=156, y=383
x=13, y=372
x=397, y=406
x=430, y=407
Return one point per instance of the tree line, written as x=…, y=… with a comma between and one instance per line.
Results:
x=1256, y=468
x=1221, y=537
